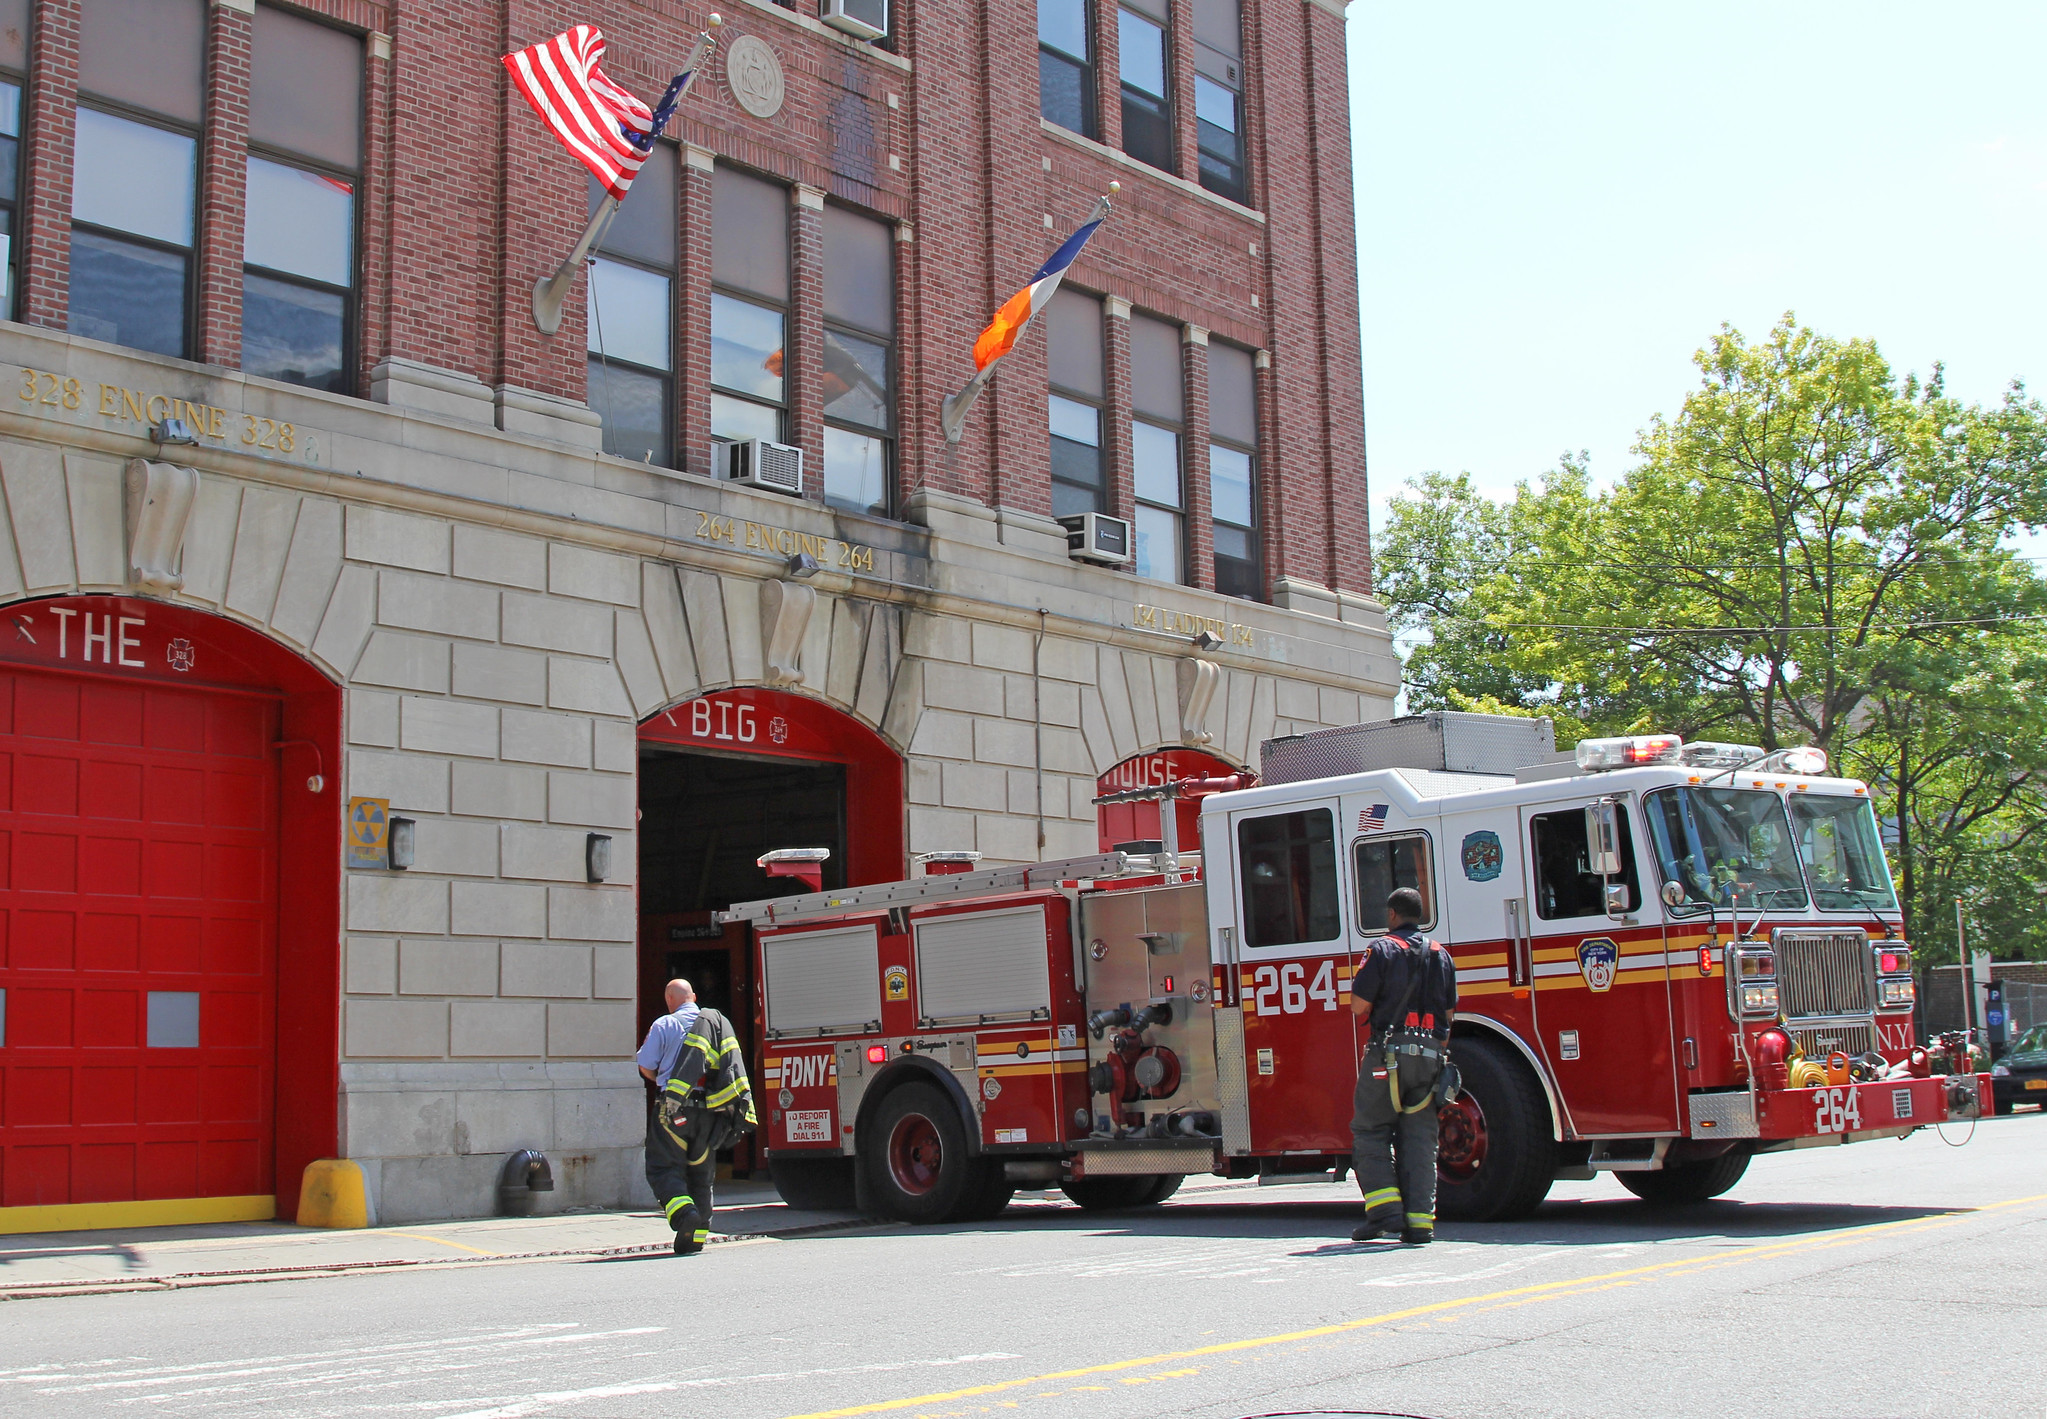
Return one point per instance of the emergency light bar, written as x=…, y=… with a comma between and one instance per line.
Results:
x=1704, y=754
x=1629, y=753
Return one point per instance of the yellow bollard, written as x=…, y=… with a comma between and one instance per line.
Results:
x=332, y=1194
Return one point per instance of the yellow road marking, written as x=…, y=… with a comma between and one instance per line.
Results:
x=439, y=1241
x=1519, y=1294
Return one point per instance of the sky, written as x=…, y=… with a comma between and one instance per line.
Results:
x=1559, y=204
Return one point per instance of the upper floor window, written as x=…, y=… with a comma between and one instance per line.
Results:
x=1073, y=349
x=1066, y=65
x=13, y=64
x=631, y=302
x=1233, y=471
x=749, y=305
x=859, y=344
x=1147, y=96
x=298, y=235
x=141, y=72
x=1155, y=464
x=1219, y=97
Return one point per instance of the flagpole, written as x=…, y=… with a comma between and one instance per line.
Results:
x=550, y=293
x=952, y=414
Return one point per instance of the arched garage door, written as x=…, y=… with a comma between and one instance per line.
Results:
x=149, y=760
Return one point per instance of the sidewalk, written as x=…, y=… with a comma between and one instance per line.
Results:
x=237, y=1253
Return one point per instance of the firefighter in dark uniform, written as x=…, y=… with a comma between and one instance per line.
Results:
x=692, y=1055
x=1408, y=985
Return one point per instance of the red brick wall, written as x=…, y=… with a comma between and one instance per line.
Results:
x=467, y=200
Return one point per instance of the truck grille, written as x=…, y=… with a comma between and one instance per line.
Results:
x=1825, y=973
x=1816, y=1042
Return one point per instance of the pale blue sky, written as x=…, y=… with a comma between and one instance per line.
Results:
x=1558, y=204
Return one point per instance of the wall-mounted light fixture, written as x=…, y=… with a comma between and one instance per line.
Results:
x=400, y=842
x=172, y=431
x=597, y=857
x=801, y=565
x=1206, y=640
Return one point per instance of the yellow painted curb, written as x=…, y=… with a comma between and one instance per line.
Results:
x=155, y=1212
x=333, y=1195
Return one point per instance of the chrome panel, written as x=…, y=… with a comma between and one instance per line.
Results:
x=1824, y=972
x=1724, y=1115
x=1233, y=1085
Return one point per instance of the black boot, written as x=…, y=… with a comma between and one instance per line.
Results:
x=1417, y=1236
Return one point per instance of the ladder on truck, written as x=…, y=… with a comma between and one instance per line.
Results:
x=1070, y=873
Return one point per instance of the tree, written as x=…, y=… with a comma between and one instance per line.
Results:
x=1813, y=551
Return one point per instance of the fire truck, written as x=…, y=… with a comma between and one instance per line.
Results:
x=1671, y=957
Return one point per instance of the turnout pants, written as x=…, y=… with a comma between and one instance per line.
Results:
x=680, y=1175
x=1393, y=1153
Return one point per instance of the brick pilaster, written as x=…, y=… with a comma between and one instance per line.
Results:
x=1116, y=409
x=1271, y=468
x=693, y=314
x=223, y=183
x=1194, y=458
x=48, y=126
x=803, y=339
x=1180, y=66
x=1108, y=87
x=912, y=391
x=373, y=333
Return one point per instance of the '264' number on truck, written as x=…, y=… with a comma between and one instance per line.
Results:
x=1285, y=990
x=1835, y=1111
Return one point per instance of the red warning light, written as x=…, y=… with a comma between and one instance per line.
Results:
x=1890, y=963
x=877, y=1054
x=1166, y=986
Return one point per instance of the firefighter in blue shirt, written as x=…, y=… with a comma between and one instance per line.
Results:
x=1408, y=985
x=692, y=1056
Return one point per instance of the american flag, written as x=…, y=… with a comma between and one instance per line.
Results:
x=1370, y=820
x=597, y=120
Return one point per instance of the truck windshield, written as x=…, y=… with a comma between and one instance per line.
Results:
x=1727, y=847
x=1837, y=838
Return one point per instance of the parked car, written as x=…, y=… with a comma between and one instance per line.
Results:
x=2021, y=1076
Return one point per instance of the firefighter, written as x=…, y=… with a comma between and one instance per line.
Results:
x=692, y=1056
x=1407, y=986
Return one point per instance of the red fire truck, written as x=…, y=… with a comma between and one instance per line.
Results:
x=1671, y=957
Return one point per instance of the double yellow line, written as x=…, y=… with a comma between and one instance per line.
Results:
x=1655, y=1270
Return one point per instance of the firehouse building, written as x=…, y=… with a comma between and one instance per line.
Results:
x=390, y=692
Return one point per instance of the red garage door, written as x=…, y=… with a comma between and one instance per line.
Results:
x=138, y=870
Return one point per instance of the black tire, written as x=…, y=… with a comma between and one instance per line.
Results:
x=814, y=1184
x=915, y=1157
x=1114, y=1193
x=1687, y=1182
x=1497, y=1158
x=990, y=1195
x=1169, y=1183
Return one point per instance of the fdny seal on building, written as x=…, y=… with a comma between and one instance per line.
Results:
x=1598, y=959
x=1482, y=855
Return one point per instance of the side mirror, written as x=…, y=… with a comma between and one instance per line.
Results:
x=1616, y=899
x=1603, y=837
x=1673, y=894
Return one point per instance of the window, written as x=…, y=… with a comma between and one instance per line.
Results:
x=1837, y=838
x=1385, y=864
x=859, y=331
x=1219, y=97
x=1565, y=884
x=749, y=305
x=631, y=301
x=13, y=65
x=1073, y=346
x=1155, y=395
x=1288, y=874
x=1727, y=847
x=1066, y=65
x=134, y=170
x=1147, y=103
x=298, y=237
x=1233, y=471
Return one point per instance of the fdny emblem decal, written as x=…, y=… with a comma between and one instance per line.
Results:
x=1482, y=855
x=897, y=980
x=1598, y=959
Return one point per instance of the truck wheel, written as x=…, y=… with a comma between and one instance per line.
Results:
x=1495, y=1158
x=918, y=1167
x=1687, y=1182
x=1109, y=1194
x=1169, y=1183
x=990, y=1194
x=814, y=1184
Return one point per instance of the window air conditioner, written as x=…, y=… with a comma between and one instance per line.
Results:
x=758, y=463
x=1097, y=537
x=863, y=19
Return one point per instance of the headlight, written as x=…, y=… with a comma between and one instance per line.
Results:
x=2001, y=1071
x=1759, y=998
x=1899, y=993
x=1750, y=961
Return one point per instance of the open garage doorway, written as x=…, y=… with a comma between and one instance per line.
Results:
x=724, y=779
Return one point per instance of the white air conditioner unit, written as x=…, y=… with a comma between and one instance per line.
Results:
x=862, y=19
x=759, y=463
x=1097, y=537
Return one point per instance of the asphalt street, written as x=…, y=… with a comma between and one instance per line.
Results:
x=1894, y=1278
